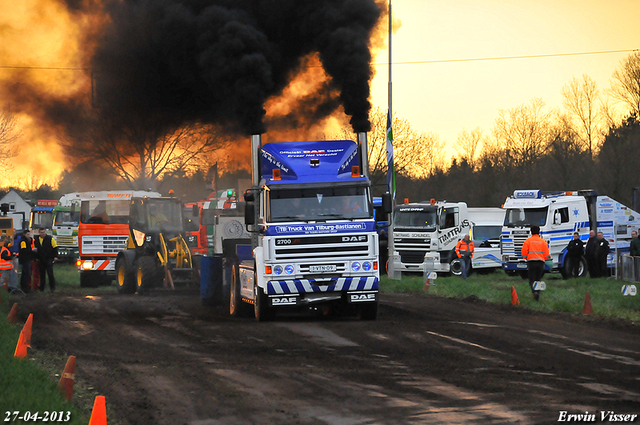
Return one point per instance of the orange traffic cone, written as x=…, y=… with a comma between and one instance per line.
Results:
x=68, y=378
x=99, y=412
x=24, y=340
x=587, y=304
x=13, y=314
x=514, y=296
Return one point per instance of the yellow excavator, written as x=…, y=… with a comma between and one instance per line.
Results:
x=157, y=254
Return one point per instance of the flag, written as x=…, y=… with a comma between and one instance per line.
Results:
x=391, y=172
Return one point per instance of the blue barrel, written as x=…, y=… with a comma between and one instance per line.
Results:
x=211, y=279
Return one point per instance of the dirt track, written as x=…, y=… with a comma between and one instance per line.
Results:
x=165, y=359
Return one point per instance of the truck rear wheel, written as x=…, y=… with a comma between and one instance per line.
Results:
x=237, y=308
x=147, y=274
x=125, y=277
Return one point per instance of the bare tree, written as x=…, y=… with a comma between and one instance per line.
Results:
x=580, y=99
x=469, y=145
x=8, y=138
x=141, y=154
x=523, y=132
x=626, y=83
x=415, y=154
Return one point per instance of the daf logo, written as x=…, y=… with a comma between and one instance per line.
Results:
x=283, y=301
x=360, y=238
x=362, y=297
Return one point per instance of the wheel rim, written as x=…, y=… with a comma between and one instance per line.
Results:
x=456, y=267
x=121, y=276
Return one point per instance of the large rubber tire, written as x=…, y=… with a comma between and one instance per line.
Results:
x=148, y=274
x=261, y=308
x=88, y=280
x=125, y=277
x=455, y=267
x=566, y=271
x=237, y=308
x=368, y=311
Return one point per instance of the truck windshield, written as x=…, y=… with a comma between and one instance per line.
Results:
x=526, y=217
x=414, y=218
x=66, y=218
x=105, y=212
x=486, y=232
x=319, y=204
x=42, y=219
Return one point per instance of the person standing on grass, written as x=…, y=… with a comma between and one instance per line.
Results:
x=5, y=264
x=27, y=256
x=601, y=254
x=14, y=247
x=590, y=254
x=47, y=255
x=464, y=251
x=575, y=251
x=536, y=251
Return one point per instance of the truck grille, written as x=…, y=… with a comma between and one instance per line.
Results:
x=103, y=245
x=321, y=248
x=412, y=257
x=513, y=248
x=66, y=241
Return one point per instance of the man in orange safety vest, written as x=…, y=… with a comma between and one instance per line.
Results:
x=464, y=250
x=536, y=251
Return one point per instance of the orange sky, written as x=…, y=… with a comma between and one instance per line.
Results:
x=446, y=98
x=442, y=98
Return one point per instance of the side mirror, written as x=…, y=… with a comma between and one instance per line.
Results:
x=386, y=203
x=73, y=208
x=249, y=195
x=249, y=214
x=195, y=211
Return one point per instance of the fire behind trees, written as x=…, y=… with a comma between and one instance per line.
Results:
x=184, y=77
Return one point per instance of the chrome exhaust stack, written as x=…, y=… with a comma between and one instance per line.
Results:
x=256, y=144
x=364, y=154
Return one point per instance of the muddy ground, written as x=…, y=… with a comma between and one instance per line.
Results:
x=163, y=358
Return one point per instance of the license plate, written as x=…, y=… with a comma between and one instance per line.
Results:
x=316, y=269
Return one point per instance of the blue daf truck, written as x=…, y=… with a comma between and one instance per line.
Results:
x=313, y=236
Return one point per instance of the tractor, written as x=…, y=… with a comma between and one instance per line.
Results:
x=156, y=254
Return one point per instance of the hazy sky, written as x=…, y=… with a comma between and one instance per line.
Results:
x=446, y=98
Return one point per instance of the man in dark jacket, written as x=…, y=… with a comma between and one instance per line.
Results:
x=590, y=253
x=575, y=251
x=47, y=255
x=26, y=257
x=602, y=251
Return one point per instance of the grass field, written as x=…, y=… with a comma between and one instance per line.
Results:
x=566, y=296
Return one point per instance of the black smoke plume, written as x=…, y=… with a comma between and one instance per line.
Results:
x=217, y=61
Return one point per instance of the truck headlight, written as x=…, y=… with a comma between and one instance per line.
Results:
x=87, y=265
x=366, y=266
x=355, y=266
x=288, y=269
x=277, y=270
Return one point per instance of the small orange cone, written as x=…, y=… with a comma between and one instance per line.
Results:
x=68, y=378
x=587, y=304
x=13, y=314
x=24, y=340
x=514, y=296
x=99, y=412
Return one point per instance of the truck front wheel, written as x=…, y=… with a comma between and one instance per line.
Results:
x=261, y=306
x=455, y=267
x=125, y=277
